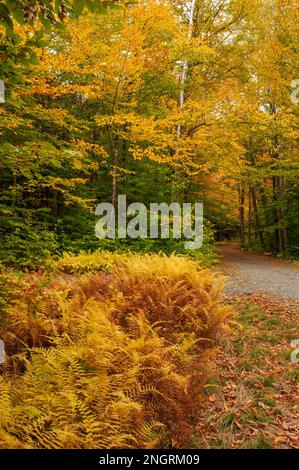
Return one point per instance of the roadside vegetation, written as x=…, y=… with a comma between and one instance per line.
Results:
x=114, y=358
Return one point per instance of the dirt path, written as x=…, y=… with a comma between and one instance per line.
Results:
x=252, y=399
x=252, y=273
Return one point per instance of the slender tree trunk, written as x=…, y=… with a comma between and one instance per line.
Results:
x=185, y=66
x=284, y=229
x=249, y=216
x=277, y=193
x=281, y=233
x=55, y=203
x=182, y=91
x=114, y=173
x=267, y=217
x=257, y=220
x=242, y=213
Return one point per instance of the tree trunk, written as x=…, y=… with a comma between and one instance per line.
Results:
x=284, y=229
x=185, y=66
x=278, y=190
x=249, y=216
x=177, y=174
x=242, y=213
x=114, y=173
x=257, y=220
x=278, y=213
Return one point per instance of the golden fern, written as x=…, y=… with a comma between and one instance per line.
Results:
x=107, y=361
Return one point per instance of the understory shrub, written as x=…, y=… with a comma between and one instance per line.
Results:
x=110, y=359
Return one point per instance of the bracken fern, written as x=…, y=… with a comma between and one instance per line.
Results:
x=107, y=360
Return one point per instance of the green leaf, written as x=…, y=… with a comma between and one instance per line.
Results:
x=59, y=26
x=100, y=9
x=4, y=10
x=114, y=6
x=90, y=5
x=8, y=24
x=79, y=7
x=45, y=22
x=19, y=15
x=42, y=43
x=10, y=4
x=57, y=5
x=33, y=58
x=16, y=38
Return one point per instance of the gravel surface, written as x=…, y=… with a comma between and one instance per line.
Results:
x=252, y=273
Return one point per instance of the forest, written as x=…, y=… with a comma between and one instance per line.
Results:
x=126, y=343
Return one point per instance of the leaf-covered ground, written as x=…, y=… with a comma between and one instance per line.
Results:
x=253, y=399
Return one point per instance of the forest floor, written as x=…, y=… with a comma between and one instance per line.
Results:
x=253, y=396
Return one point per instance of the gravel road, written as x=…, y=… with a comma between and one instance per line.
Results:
x=252, y=273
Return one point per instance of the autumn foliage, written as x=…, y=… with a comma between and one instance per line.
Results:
x=163, y=101
x=114, y=359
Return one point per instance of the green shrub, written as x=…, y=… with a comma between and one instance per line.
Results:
x=28, y=247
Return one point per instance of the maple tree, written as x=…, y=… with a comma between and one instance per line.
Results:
x=158, y=100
